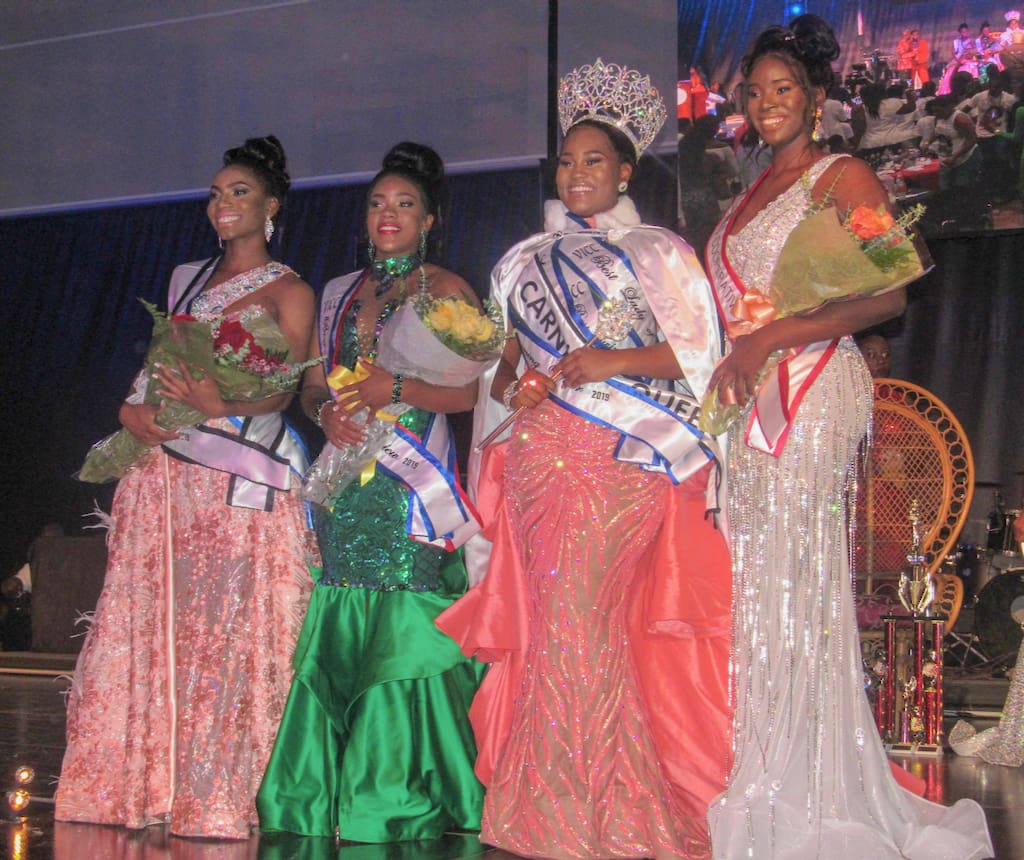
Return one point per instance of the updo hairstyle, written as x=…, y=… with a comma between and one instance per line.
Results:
x=808, y=46
x=420, y=165
x=264, y=156
x=622, y=145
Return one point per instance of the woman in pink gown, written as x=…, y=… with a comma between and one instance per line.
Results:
x=181, y=683
x=602, y=725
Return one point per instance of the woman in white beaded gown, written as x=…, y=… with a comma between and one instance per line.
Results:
x=810, y=777
x=1003, y=743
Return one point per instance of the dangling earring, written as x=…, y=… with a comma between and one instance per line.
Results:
x=371, y=250
x=268, y=229
x=220, y=242
x=816, y=132
x=423, y=244
x=623, y=186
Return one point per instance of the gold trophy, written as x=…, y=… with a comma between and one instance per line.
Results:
x=916, y=590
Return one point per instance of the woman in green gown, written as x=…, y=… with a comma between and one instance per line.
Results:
x=375, y=744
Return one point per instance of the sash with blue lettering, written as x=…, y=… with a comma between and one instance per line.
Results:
x=439, y=511
x=554, y=308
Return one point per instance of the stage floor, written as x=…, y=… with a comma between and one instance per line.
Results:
x=32, y=733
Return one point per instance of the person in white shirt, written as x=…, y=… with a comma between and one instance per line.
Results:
x=990, y=109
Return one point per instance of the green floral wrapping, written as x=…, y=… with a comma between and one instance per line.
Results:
x=192, y=342
x=822, y=260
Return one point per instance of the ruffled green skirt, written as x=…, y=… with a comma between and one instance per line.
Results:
x=375, y=744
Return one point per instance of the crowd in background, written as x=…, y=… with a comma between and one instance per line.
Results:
x=971, y=120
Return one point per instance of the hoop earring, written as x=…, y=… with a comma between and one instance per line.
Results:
x=371, y=250
x=623, y=186
x=423, y=244
x=268, y=229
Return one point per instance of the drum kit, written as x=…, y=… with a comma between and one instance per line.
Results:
x=991, y=622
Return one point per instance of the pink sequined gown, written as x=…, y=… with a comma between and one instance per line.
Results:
x=183, y=677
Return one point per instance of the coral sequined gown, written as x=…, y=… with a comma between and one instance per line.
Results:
x=600, y=737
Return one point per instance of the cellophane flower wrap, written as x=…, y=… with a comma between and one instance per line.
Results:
x=826, y=258
x=245, y=354
x=445, y=341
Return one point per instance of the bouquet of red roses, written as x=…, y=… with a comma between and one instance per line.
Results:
x=245, y=354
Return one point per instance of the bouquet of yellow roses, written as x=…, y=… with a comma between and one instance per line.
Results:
x=825, y=258
x=444, y=341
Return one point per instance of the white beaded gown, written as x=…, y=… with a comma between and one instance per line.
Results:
x=810, y=777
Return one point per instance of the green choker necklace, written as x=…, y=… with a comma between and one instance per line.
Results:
x=386, y=271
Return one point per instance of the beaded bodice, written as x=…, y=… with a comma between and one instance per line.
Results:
x=754, y=250
x=210, y=304
x=363, y=540
x=356, y=342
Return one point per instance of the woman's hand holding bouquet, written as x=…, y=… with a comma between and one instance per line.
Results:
x=446, y=342
x=825, y=259
x=192, y=366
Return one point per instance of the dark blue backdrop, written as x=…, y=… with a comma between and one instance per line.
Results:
x=76, y=333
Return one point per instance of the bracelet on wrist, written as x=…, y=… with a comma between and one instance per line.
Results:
x=396, y=388
x=509, y=393
x=318, y=420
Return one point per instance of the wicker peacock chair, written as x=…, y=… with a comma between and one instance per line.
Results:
x=918, y=451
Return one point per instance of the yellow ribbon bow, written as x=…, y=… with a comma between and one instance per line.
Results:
x=337, y=379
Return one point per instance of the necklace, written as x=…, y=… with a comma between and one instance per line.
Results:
x=367, y=337
x=386, y=271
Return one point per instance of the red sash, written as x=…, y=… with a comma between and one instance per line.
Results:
x=784, y=386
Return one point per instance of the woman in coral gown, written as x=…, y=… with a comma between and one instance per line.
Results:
x=810, y=778
x=602, y=721
x=182, y=680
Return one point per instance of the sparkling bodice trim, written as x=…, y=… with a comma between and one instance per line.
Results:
x=754, y=250
x=210, y=304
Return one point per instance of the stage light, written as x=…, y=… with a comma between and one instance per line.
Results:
x=19, y=843
x=19, y=799
x=24, y=775
x=794, y=9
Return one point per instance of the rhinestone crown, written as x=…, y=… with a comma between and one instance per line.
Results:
x=615, y=95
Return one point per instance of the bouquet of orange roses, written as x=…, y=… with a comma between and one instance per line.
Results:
x=444, y=341
x=825, y=258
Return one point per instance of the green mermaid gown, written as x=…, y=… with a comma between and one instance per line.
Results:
x=375, y=744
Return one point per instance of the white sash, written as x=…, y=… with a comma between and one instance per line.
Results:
x=264, y=454
x=554, y=309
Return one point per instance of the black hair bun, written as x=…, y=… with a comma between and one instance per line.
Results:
x=417, y=159
x=265, y=156
x=815, y=39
